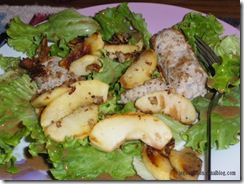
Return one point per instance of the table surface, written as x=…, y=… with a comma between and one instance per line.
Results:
x=225, y=9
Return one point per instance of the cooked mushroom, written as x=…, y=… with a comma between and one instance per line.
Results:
x=186, y=162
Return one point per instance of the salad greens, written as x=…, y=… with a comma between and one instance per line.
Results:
x=209, y=29
x=78, y=159
x=228, y=45
x=225, y=130
x=65, y=25
x=113, y=107
x=121, y=20
x=15, y=110
x=111, y=70
x=8, y=63
x=75, y=159
x=206, y=27
x=178, y=129
x=225, y=127
x=60, y=48
x=226, y=74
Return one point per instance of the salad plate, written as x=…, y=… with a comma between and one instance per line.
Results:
x=225, y=163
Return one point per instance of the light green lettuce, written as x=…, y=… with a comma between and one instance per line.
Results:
x=111, y=70
x=74, y=160
x=60, y=48
x=228, y=45
x=66, y=25
x=206, y=27
x=178, y=129
x=8, y=63
x=227, y=74
x=17, y=116
x=210, y=30
x=225, y=129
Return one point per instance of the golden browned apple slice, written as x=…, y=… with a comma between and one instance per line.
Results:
x=111, y=132
x=77, y=124
x=174, y=105
x=83, y=93
x=94, y=43
x=123, y=48
x=45, y=98
x=140, y=71
x=84, y=65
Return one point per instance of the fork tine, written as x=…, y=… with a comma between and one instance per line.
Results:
x=205, y=57
x=204, y=52
x=209, y=52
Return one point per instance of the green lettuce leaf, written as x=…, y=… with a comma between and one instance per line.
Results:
x=224, y=133
x=60, y=49
x=113, y=107
x=121, y=20
x=228, y=45
x=66, y=25
x=228, y=48
x=231, y=98
x=227, y=74
x=128, y=107
x=110, y=107
x=206, y=27
x=8, y=63
x=23, y=37
x=178, y=129
x=73, y=160
x=111, y=70
x=15, y=113
x=225, y=128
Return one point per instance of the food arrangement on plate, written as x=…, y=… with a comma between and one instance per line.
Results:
x=101, y=95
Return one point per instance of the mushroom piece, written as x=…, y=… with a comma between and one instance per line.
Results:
x=158, y=165
x=186, y=163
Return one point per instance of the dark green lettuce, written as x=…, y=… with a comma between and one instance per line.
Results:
x=120, y=20
x=113, y=107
